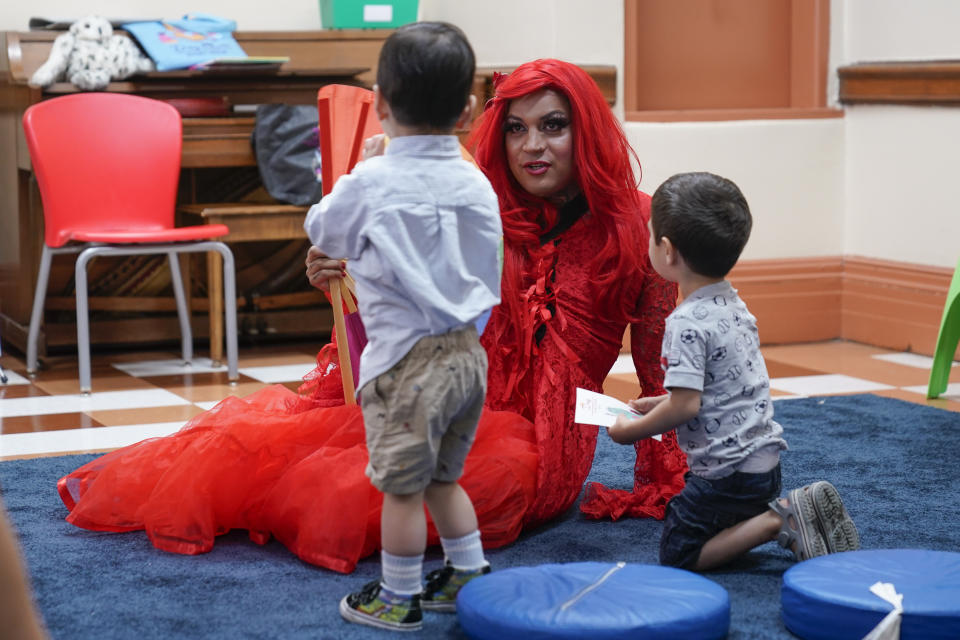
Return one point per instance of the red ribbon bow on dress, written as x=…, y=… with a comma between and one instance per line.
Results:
x=538, y=299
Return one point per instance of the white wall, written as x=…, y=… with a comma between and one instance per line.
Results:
x=902, y=165
x=791, y=172
x=901, y=161
x=881, y=30
x=250, y=16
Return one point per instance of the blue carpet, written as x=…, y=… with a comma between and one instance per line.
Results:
x=895, y=464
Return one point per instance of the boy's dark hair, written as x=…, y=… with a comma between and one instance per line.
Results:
x=706, y=218
x=425, y=73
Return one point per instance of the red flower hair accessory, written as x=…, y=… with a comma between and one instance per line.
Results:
x=497, y=80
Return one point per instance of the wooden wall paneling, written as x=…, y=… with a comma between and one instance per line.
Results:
x=930, y=82
x=809, y=52
x=795, y=300
x=734, y=60
x=879, y=302
x=893, y=305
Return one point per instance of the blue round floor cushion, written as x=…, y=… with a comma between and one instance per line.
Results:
x=829, y=597
x=593, y=600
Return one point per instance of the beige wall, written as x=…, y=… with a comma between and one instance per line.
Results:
x=250, y=16
x=817, y=187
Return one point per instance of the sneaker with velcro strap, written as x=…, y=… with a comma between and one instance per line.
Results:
x=443, y=585
x=376, y=606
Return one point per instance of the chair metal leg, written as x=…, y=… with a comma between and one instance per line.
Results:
x=3, y=375
x=36, y=314
x=230, y=308
x=230, y=294
x=186, y=335
x=83, y=318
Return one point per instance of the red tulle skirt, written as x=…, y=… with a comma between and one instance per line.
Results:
x=265, y=464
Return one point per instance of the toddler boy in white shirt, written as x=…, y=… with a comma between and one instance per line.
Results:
x=420, y=227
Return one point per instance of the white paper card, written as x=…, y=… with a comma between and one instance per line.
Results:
x=596, y=408
x=378, y=13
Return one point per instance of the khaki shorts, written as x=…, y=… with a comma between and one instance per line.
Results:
x=421, y=415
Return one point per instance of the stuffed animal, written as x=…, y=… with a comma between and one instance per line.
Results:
x=90, y=55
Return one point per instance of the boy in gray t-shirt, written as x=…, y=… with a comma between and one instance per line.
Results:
x=719, y=396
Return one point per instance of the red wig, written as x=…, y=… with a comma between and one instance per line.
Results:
x=601, y=168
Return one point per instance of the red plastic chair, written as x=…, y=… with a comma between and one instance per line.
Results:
x=346, y=119
x=107, y=166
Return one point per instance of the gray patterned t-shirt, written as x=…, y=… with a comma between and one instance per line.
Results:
x=711, y=344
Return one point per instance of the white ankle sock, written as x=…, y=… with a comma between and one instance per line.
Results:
x=401, y=574
x=465, y=552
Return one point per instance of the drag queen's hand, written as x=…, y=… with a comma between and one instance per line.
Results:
x=321, y=268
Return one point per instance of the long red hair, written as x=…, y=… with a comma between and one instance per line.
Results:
x=602, y=169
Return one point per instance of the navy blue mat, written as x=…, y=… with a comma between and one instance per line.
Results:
x=892, y=461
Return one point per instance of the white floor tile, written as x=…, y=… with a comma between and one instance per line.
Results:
x=13, y=378
x=277, y=373
x=172, y=367
x=908, y=360
x=953, y=390
x=91, y=439
x=206, y=406
x=97, y=401
x=624, y=364
x=825, y=384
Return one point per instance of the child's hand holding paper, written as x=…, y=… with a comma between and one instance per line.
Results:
x=596, y=408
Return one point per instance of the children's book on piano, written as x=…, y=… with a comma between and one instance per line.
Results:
x=193, y=40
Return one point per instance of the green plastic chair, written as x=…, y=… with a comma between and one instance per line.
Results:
x=947, y=339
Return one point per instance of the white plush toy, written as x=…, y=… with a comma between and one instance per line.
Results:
x=90, y=55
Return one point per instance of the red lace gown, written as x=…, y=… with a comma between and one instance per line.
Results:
x=289, y=465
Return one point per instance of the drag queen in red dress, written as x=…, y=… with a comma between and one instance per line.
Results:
x=576, y=274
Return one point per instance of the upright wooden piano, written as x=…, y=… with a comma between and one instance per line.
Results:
x=218, y=166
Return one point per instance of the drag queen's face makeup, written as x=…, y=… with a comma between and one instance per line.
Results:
x=539, y=143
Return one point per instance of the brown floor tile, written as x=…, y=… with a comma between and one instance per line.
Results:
x=215, y=392
x=777, y=369
x=21, y=391
x=150, y=415
x=816, y=355
x=49, y=422
x=622, y=386
x=852, y=359
x=285, y=358
x=777, y=393
x=890, y=373
x=107, y=380
x=206, y=379
x=58, y=375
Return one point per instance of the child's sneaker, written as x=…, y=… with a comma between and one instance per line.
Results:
x=815, y=522
x=443, y=585
x=377, y=606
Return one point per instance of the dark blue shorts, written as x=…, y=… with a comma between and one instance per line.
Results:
x=706, y=507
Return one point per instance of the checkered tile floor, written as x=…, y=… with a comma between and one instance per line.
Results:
x=146, y=394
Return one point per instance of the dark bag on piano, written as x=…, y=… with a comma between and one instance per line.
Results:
x=287, y=151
